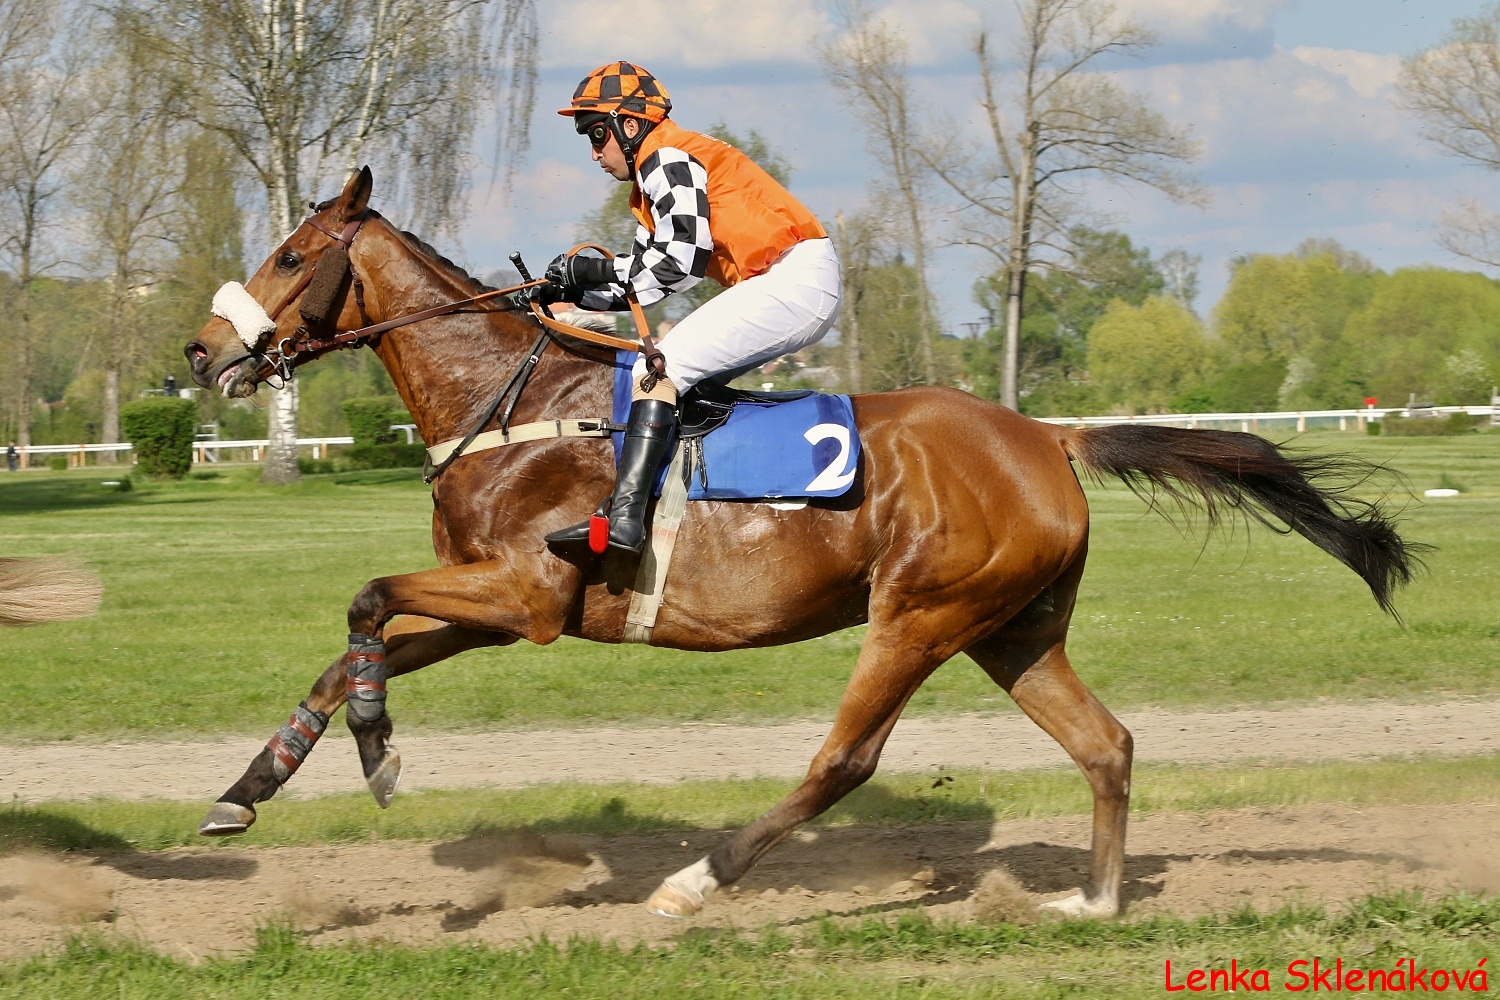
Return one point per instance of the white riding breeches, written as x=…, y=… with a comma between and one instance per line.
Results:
x=781, y=310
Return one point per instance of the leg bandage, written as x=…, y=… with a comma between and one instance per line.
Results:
x=294, y=741
x=663, y=391
x=367, y=674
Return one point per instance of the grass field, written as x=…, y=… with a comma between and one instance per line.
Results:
x=621, y=808
x=909, y=956
x=224, y=600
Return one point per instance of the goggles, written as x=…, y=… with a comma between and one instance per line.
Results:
x=598, y=134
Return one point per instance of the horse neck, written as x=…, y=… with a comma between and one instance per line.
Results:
x=449, y=370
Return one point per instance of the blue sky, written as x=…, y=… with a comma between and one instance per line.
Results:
x=1291, y=101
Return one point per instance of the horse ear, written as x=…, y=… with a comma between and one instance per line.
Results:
x=356, y=196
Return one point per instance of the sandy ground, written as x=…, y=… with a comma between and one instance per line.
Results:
x=196, y=902
x=193, y=903
x=1327, y=731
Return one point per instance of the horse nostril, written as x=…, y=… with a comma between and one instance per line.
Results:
x=195, y=351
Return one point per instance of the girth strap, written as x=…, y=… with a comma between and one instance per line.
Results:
x=540, y=430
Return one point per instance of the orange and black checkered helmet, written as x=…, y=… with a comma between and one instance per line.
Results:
x=623, y=88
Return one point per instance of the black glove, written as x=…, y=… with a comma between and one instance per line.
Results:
x=578, y=274
x=543, y=295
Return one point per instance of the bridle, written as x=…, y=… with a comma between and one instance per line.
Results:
x=324, y=290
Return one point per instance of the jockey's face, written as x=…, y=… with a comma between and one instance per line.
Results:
x=610, y=157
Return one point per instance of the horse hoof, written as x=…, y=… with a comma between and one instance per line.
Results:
x=385, y=778
x=669, y=902
x=1080, y=907
x=226, y=819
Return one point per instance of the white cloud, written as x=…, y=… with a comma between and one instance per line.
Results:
x=711, y=34
x=1368, y=73
x=702, y=34
x=1197, y=21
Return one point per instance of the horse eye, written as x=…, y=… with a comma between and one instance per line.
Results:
x=288, y=261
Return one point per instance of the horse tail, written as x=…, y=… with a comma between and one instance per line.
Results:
x=1310, y=494
x=49, y=589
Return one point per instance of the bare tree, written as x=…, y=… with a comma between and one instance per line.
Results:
x=1052, y=121
x=868, y=63
x=1179, y=271
x=304, y=91
x=42, y=117
x=128, y=189
x=1454, y=89
x=849, y=279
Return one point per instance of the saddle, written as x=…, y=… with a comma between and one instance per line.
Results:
x=707, y=406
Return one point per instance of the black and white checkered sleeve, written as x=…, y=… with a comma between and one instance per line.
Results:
x=675, y=256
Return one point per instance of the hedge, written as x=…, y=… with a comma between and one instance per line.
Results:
x=161, y=430
x=370, y=419
x=386, y=456
x=1454, y=423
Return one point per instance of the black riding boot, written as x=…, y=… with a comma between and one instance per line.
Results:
x=646, y=438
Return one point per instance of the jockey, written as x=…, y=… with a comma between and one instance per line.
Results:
x=704, y=209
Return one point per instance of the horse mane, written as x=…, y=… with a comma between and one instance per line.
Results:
x=426, y=250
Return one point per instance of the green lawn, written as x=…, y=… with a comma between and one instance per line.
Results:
x=224, y=600
x=628, y=807
x=906, y=956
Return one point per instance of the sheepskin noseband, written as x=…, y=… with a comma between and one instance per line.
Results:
x=247, y=316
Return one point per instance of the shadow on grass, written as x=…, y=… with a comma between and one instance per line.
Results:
x=20, y=496
x=38, y=828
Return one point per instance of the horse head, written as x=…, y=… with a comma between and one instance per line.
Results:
x=246, y=341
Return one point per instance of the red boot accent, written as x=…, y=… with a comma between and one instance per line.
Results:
x=598, y=534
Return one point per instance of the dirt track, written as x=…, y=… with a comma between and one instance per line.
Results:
x=501, y=890
x=200, y=771
x=195, y=902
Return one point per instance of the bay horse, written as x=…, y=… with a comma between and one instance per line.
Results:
x=966, y=532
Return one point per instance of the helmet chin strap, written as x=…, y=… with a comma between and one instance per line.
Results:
x=629, y=146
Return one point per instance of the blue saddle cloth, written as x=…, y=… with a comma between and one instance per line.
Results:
x=807, y=447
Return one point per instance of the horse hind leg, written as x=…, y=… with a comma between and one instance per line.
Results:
x=884, y=679
x=1033, y=668
x=411, y=643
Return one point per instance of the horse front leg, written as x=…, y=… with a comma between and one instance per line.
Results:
x=412, y=643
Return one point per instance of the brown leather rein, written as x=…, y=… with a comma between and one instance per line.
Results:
x=290, y=352
x=281, y=359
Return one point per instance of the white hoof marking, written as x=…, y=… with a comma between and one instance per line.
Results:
x=1078, y=906
x=682, y=895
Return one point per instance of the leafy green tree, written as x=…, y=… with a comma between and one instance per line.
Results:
x=889, y=316
x=1060, y=309
x=1282, y=320
x=1415, y=322
x=1279, y=306
x=1144, y=357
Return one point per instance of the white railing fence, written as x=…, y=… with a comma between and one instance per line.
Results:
x=203, y=451
x=1302, y=420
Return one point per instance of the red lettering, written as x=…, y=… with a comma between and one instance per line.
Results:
x=1237, y=975
x=1440, y=972
x=1260, y=982
x=1320, y=978
x=1382, y=975
x=1293, y=970
x=1170, y=988
x=1352, y=981
x=1215, y=976
x=1195, y=981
